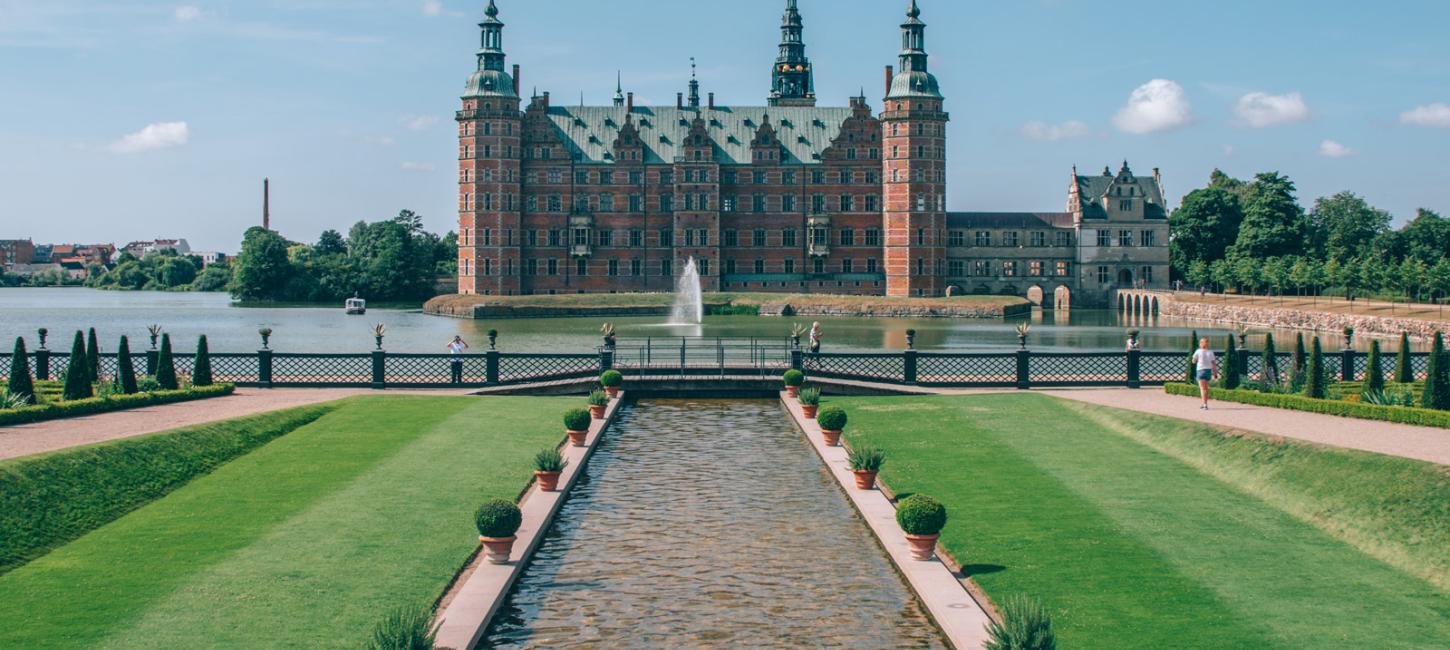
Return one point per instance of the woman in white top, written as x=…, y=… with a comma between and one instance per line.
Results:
x=1207, y=364
x=815, y=340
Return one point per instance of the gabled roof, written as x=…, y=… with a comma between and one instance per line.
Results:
x=1092, y=189
x=1023, y=220
x=804, y=132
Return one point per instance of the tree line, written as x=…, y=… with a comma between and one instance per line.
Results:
x=163, y=270
x=1254, y=237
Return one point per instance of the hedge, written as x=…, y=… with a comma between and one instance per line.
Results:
x=51, y=499
x=94, y=405
x=1297, y=402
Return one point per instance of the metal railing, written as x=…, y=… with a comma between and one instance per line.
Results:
x=699, y=356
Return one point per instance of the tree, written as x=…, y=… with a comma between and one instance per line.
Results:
x=166, y=366
x=1248, y=274
x=1347, y=225
x=330, y=243
x=125, y=368
x=93, y=356
x=77, y=379
x=1270, y=362
x=1231, y=370
x=1192, y=367
x=176, y=272
x=1302, y=274
x=20, y=384
x=1299, y=354
x=215, y=277
x=1222, y=273
x=201, y=372
x=1204, y=226
x=1404, y=371
x=1314, y=383
x=1374, y=373
x=263, y=268
x=1273, y=223
x=1437, y=381
x=1198, y=275
x=1427, y=237
x=411, y=222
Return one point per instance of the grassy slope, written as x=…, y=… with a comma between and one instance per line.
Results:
x=306, y=542
x=1132, y=547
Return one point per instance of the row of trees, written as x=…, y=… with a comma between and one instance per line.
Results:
x=1253, y=236
x=163, y=271
x=83, y=370
x=393, y=260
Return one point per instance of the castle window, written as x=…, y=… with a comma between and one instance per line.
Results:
x=818, y=266
x=667, y=203
x=553, y=266
x=1009, y=269
x=956, y=238
x=667, y=238
x=873, y=236
x=606, y=238
x=1145, y=275
x=1105, y=238
x=759, y=266
x=920, y=202
x=787, y=178
x=1064, y=238
x=788, y=238
x=759, y=178
x=1148, y=238
x=727, y=204
x=847, y=266
x=636, y=239
x=1034, y=269
x=730, y=237
x=787, y=203
x=872, y=203
x=613, y=268
x=848, y=204
x=920, y=266
x=1125, y=238
x=818, y=203
x=1062, y=269
x=1105, y=275
x=531, y=267
x=730, y=267
x=487, y=266
x=689, y=237
x=981, y=269
x=757, y=237
x=1010, y=239
x=636, y=203
x=956, y=268
x=870, y=265
x=704, y=266
x=848, y=237
x=556, y=236
x=758, y=203
x=581, y=267
x=606, y=203
x=921, y=236
x=1039, y=239
x=636, y=267
x=1125, y=206
x=667, y=268
x=984, y=238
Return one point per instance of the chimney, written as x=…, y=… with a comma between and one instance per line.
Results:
x=516, y=79
x=629, y=99
x=712, y=101
x=679, y=100
x=266, y=204
x=890, y=74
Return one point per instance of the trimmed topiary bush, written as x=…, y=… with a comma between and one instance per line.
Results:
x=794, y=378
x=1191, y=374
x=498, y=518
x=1270, y=362
x=810, y=397
x=1404, y=371
x=93, y=356
x=405, y=628
x=125, y=368
x=1232, y=373
x=831, y=418
x=919, y=514
x=1300, y=355
x=165, y=365
x=611, y=379
x=77, y=378
x=1374, y=372
x=598, y=398
x=1314, y=385
x=577, y=419
x=1437, y=381
x=1026, y=625
x=20, y=385
x=866, y=458
x=201, y=373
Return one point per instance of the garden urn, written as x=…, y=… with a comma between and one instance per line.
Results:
x=548, y=481
x=498, y=549
x=923, y=547
x=865, y=478
x=911, y=339
x=809, y=410
x=492, y=340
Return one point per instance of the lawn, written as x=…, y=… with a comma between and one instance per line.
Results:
x=1146, y=532
x=305, y=542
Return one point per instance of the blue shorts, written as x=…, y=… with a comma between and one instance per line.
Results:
x=1205, y=375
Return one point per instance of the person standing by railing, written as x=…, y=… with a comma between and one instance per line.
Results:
x=456, y=347
x=1207, y=364
x=816, y=335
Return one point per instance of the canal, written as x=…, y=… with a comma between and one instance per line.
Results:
x=709, y=524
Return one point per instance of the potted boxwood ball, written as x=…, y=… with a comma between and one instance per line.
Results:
x=498, y=522
x=832, y=420
x=548, y=465
x=598, y=401
x=921, y=518
x=810, y=402
x=794, y=379
x=576, y=422
x=865, y=464
x=611, y=380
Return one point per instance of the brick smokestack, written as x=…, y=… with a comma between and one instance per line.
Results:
x=890, y=74
x=629, y=101
x=679, y=100
x=712, y=101
x=266, y=204
x=516, y=79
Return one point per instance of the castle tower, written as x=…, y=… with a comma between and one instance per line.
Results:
x=914, y=170
x=490, y=130
x=792, y=80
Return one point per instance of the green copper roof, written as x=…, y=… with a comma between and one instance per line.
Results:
x=804, y=132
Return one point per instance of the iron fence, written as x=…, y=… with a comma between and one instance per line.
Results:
x=699, y=356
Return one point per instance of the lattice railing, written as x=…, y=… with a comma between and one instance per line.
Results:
x=5, y=365
x=1077, y=369
x=521, y=368
x=331, y=369
x=1162, y=367
x=434, y=369
x=231, y=368
x=967, y=369
x=879, y=367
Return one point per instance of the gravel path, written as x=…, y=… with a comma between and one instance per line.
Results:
x=41, y=437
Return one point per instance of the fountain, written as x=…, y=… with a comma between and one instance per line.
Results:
x=689, y=307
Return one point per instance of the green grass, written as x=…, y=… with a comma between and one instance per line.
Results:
x=308, y=541
x=1146, y=532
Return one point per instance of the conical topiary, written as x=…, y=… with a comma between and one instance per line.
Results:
x=1404, y=370
x=1270, y=372
x=20, y=383
x=165, y=366
x=201, y=372
x=125, y=369
x=77, y=379
x=1191, y=376
x=93, y=356
x=1374, y=372
x=1314, y=379
x=1437, y=381
x=1231, y=370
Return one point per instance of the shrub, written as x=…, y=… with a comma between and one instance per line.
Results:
x=1314, y=375
x=51, y=410
x=577, y=419
x=919, y=514
x=201, y=373
x=1300, y=356
x=1026, y=625
x=1298, y=402
x=811, y=396
x=794, y=378
x=550, y=460
x=148, y=384
x=406, y=628
x=831, y=418
x=1191, y=375
x=165, y=365
x=125, y=368
x=598, y=398
x=1232, y=374
x=1404, y=372
x=866, y=458
x=611, y=379
x=1270, y=373
x=498, y=518
x=20, y=387
x=1374, y=372
x=1437, y=380
x=98, y=484
x=93, y=356
x=77, y=379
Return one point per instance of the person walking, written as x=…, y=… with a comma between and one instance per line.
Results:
x=1207, y=364
x=456, y=347
x=816, y=337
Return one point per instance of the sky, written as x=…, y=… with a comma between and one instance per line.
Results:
x=126, y=120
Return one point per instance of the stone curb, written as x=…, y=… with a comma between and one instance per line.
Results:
x=463, y=623
x=961, y=620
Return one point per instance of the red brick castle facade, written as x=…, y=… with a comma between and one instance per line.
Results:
x=786, y=197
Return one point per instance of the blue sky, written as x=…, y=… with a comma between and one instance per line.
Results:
x=131, y=120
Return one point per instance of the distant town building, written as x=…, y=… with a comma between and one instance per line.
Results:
x=141, y=249
x=84, y=255
x=16, y=251
x=785, y=197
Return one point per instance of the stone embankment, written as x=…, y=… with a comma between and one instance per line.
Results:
x=784, y=305
x=894, y=310
x=1294, y=319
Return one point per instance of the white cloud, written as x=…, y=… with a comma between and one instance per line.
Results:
x=155, y=136
x=1435, y=115
x=1043, y=132
x=1159, y=105
x=186, y=13
x=420, y=122
x=417, y=166
x=1332, y=149
x=432, y=8
x=1260, y=110
x=1228, y=150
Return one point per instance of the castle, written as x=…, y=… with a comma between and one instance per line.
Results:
x=785, y=197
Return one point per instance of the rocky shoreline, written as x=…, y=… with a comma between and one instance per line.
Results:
x=1298, y=319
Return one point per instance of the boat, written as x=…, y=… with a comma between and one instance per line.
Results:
x=356, y=306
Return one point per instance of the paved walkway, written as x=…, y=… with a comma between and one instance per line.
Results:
x=41, y=437
x=1424, y=443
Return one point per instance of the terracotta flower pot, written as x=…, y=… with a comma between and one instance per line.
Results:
x=548, y=481
x=833, y=437
x=497, y=549
x=612, y=391
x=577, y=438
x=923, y=547
x=865, y=478
x=809, y=410
x=596, y=412
x=793, y=391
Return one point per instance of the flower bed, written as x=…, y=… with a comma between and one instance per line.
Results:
x=1398, y=414
x=94, y=405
